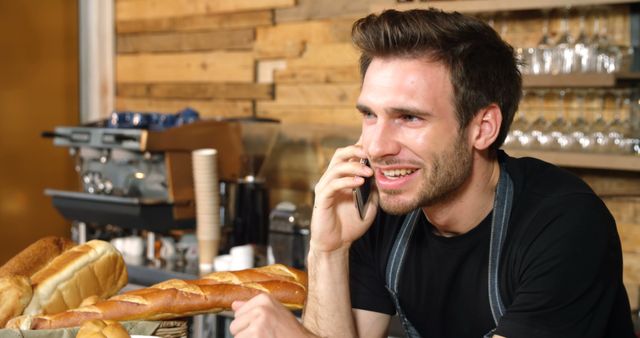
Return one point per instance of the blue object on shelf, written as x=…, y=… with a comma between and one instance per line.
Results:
x=151, y=121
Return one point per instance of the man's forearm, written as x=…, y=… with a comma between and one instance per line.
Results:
x=328, y=309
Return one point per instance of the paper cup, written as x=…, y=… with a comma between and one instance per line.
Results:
x=206, y=189
x=207, y=251
x=242, y=257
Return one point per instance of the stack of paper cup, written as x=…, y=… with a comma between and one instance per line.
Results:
x=206, y=186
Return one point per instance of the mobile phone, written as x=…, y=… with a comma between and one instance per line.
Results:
x=361, y=194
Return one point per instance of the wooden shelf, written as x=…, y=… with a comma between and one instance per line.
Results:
x=476, y=6
x=580, y=80
x=582, y=160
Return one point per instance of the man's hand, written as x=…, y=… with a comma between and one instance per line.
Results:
x=335, y=223
x=263, y=316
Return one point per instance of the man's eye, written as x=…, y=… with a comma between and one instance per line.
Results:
x=368, y=115
x=410, y=118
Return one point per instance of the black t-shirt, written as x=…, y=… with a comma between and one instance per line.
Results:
x=560, y=270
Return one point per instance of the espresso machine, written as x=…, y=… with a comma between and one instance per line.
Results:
x=135, y=168
x=247, y=197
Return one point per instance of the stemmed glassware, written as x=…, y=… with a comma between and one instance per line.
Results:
x=564, y=48
x=598, y=127
x=560, y=120
x=520, y=124
x=580, y=126
x=570, y=54
x=581, y=53
x=559, y=128
x=618, y=127
x=542, y=58
x=537, y=128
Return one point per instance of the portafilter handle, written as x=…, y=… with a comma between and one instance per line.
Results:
x=53, y=134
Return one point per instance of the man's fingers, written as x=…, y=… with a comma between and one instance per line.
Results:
x=235, y=306
x=347, y=153
x=343, y=170
x=239, y=324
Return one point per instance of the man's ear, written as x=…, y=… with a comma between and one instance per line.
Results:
x=486, y=125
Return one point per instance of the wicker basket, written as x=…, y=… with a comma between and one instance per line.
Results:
x=172, y=329
x=163, y=329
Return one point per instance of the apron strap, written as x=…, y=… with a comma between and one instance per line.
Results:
x=499, y=223
x=394, y=267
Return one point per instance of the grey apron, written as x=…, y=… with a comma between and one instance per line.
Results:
x=499, y=223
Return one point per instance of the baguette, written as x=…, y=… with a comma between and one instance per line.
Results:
x=95, y=268
x=15, y=274
x=179, y=298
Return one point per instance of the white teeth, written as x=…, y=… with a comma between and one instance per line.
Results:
x=397, y=172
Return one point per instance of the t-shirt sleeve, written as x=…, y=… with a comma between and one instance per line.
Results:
x=568, y=272
x=366, y=280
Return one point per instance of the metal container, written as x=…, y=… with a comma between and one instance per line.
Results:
x=289, y=234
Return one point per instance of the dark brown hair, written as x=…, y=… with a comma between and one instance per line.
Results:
x=482, y=66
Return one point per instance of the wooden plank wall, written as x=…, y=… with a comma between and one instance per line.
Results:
x=293, y=61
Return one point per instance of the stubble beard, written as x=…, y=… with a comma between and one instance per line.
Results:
x=449, y=170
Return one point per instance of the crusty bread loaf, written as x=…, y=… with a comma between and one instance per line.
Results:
x=36, y=256
x=102, y=329
x=178, y=298
x=94, y=268
x=15, y=294
x=15, y=284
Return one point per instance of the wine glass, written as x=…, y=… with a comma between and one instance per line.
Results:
x=520, y=123
x=559, y=128
x=564, y=48
x=579, y=126
x=541, y=60
x=581, y=52
x=540, y=124
x=599, y=125
x=619, y=127
x=608, y=55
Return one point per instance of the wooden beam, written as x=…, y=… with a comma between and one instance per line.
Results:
x=583, y=159
x=197, y=90
x=322, y=63
x=476, y=6
x=325, y=95
x=629, y=237
x=314, y=9
x=285, y=49
x=631, y=272
x=625, y=209
x=186, y=41
x=265, y=69
x=288, y=40
x=311, y=115
x=336, y=74
x=186, y=67
x=206, y=108
x=327, y=54
x=153, y=9
x=197, y=22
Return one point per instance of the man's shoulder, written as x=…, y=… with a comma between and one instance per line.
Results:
x=543, y=179
x=550, y=199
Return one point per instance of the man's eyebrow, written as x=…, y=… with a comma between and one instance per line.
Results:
x=362, y=108
x=408, y=111
x=396, y=110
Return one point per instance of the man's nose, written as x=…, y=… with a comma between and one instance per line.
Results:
x=380, y=140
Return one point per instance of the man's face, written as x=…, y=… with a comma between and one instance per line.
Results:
x=411, y=135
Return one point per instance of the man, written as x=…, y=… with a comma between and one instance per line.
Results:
x=466, y=242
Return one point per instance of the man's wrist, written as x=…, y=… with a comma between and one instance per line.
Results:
x=317, y=255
